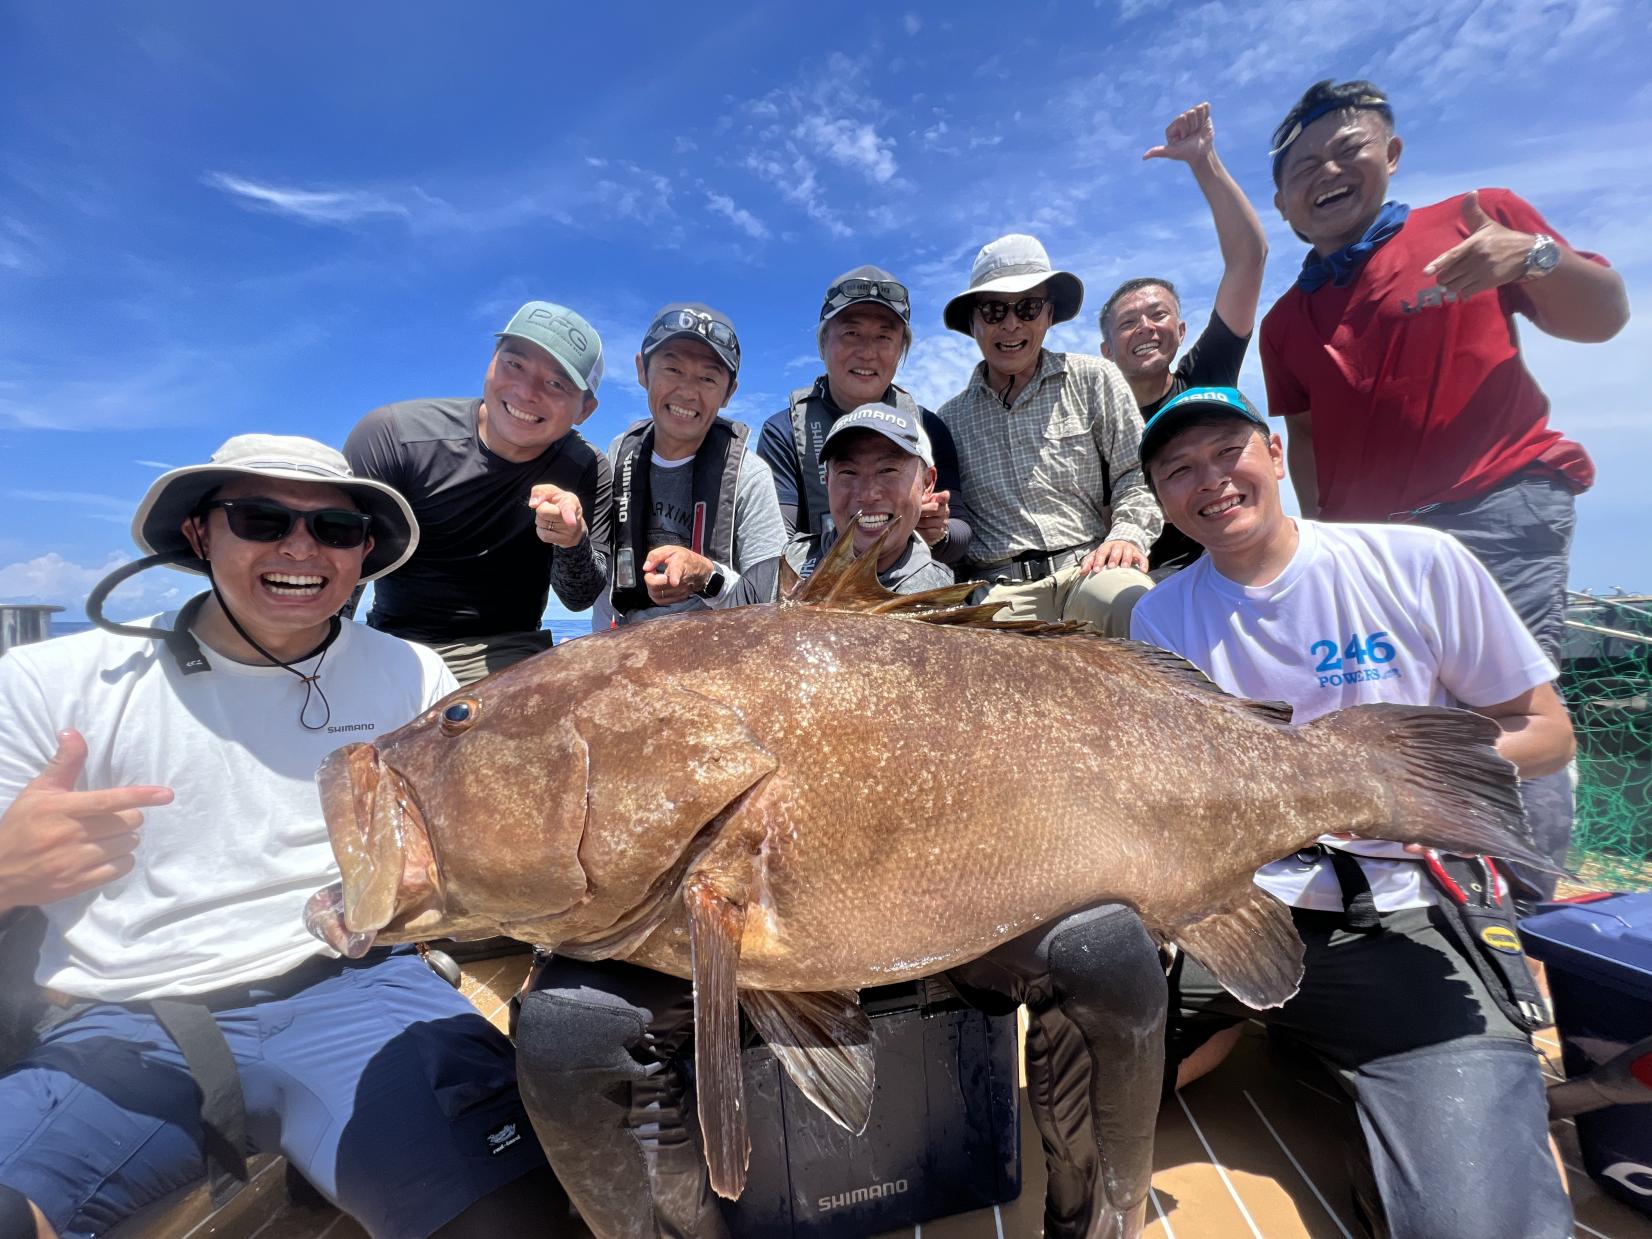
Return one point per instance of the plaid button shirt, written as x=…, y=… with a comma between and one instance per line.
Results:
x=1034, y=472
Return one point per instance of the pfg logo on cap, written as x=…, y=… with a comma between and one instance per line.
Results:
x=543, y=316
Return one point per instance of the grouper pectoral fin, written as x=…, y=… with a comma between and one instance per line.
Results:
x=824, y=1041
x=1250, y=945
x=715, y=924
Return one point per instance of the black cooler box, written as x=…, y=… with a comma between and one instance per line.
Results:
x=944, y=1136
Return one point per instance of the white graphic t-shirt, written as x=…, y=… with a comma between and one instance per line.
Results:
x=1361, y=614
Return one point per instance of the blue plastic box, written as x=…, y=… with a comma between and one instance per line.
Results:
x=1599, y=959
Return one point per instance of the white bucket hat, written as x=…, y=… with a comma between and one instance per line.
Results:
x=158, y=526
x=1013, y=264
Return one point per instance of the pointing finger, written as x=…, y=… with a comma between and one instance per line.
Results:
x=111, y=800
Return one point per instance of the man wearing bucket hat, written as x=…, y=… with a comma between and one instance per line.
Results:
x=1414, y=993
x=865, y=330
x=513, y=502
x=1047, y=450
x=160, y=826
x=693, y=507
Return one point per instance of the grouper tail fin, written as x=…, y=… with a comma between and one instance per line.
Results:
x=1451, y=789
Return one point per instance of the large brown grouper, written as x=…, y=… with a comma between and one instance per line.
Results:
x=788, y=803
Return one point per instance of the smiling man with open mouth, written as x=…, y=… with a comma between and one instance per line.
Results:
x=1047, y=450
x=512, y=499
x=694, y=507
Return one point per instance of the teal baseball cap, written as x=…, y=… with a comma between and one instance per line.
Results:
x=1195, y=402
x=564, y=335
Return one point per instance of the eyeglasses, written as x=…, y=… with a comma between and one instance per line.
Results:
x=261, y=520
x=889, y=292
x=1026, y=309
x=673, y=321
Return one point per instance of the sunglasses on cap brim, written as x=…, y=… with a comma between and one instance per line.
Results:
x=847, y=292
x=1026, y=309
x=674, y=321
x=264, y=520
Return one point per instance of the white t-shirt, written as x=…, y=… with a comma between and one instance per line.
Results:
x=222, y=873
x=1362, y=613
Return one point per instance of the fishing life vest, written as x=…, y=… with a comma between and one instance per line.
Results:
x=714, y=487
x=810, y=422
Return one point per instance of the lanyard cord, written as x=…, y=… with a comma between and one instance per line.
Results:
x=311, y=682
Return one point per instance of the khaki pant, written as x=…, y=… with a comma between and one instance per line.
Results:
x=1103, y=599
x=471, y=660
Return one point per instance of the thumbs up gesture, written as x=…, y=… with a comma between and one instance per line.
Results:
x=1491, y=256
x=56, y=842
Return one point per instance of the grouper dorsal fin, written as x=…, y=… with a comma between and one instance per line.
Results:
x=844, y=581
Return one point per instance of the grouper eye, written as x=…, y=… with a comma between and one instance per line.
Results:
x=459, y=716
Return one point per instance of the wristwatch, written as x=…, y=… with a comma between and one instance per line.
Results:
x=714, y=584
x=1543, y=258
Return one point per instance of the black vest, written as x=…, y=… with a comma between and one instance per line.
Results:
x=810, y=422
x=713, y=488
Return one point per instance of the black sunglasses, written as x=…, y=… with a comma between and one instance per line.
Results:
x=673, y=321
x=1026, y=309
x=262, y=520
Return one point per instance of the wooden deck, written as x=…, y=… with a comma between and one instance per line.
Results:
x=1247, y=1151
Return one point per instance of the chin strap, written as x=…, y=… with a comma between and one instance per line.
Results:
x=186, y=651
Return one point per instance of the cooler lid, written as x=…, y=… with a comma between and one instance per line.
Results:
x=1611, y=937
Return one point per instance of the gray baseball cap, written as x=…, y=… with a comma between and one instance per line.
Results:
x=564, y=335
x=1013, y=264
x=865, y=284
x=901, y=428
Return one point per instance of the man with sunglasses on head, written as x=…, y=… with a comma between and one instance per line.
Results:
x=865, y=331
x=513, y=501
x=1395, y=361
x=693, y=508
x=161, y=832
x=1141, y=323
x=1047, y=449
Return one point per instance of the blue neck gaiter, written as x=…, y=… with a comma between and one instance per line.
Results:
x=1341, y=267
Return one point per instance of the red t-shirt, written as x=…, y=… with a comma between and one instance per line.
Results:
x=1415, y=399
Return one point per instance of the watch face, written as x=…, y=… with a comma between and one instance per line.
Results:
x=1545, y=255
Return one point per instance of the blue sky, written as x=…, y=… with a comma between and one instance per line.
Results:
x=218, y=218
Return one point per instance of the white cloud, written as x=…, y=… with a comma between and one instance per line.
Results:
x=312, y=206
x=938, y=367
x=737, y=215
x=50, y=578
x=912, y=23
x=853, y=144
x=797, y=182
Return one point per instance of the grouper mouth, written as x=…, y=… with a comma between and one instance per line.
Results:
x=385, y=860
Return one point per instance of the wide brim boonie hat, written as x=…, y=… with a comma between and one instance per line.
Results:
x=158, y=526
x=563, y=334
x=1013, y=264
x=1193, y=403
